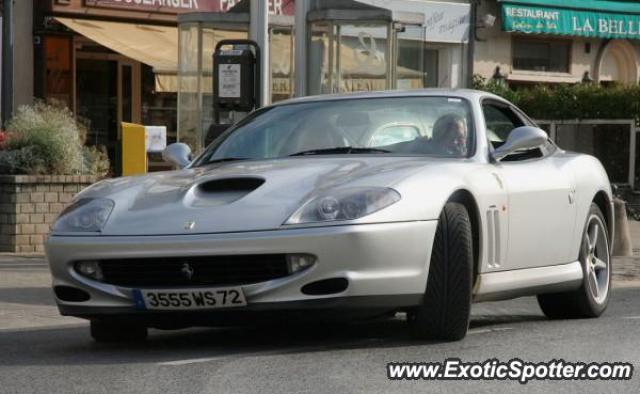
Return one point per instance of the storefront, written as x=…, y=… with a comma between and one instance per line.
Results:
x=351, y=46
x=150, y=61
x=114, y=61
x=559, y=41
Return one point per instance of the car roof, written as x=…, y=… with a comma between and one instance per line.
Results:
x=468, y=94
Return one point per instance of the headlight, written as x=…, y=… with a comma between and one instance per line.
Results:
x=346, y=204
x=84, y=215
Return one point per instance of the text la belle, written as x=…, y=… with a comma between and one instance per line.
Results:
x=611, y=26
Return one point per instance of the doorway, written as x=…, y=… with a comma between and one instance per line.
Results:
x=108, y=92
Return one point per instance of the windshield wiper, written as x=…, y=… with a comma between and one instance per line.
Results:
x=226, y=159
x=339, y=150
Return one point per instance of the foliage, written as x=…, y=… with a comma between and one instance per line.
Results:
x=578, y=101
x=21, y=161
x=46, y=139
x=96, y=161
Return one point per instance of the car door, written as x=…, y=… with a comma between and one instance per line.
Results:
x=540, y=208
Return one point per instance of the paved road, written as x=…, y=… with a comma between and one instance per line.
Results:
x=44, y=353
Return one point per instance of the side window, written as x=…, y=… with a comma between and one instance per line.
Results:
x=500, y=121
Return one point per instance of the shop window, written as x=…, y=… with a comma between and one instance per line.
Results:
x=158, y=109
x=97, y=96
x=431, y=64
x=541, y=55
x=410, y=66
x=281, y=63
x=197, y=43
x=361, y=57
x=348, y=58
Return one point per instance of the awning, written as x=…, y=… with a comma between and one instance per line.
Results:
x=156, y=46
x=585, y=18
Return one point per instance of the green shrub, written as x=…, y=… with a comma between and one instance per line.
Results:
x=46, y=139
x=578, y=101
x=21, y=161
x=96, y=161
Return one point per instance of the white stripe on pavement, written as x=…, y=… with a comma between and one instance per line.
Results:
x=488, y=330
x=192, y=361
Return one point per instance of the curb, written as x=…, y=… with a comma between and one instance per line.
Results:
x=626, y=268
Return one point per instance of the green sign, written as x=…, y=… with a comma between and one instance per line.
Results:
x=571, y=22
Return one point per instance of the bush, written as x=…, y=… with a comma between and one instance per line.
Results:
x=46, y=139
x=578, y=101
x=96, y=161
x=21, y=161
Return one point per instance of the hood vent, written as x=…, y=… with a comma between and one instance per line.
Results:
x=231, y=185
x=224, y=191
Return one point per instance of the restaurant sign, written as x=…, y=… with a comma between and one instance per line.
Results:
x=276, y=7
x=571, y=22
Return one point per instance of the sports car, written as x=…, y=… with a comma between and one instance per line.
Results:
x=356, y=205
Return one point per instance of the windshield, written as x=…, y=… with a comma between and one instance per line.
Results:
x=433, y=126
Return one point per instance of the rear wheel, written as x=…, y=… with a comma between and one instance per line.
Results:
x=116, y=331
x=445, y=311
x=592, y=298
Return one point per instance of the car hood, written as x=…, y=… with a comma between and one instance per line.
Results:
x=238, y=196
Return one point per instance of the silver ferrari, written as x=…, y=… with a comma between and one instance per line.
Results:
x=353, y=205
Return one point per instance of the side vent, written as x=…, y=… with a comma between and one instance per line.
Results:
x=493, y=237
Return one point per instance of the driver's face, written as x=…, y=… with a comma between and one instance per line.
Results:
x=456, y=138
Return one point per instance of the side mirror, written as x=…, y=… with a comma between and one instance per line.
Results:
x=178, y=154
x=521, y=138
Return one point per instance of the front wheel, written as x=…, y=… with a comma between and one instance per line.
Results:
x=444, y=313
x=592, y=298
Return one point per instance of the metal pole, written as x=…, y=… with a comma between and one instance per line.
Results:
x=471, y=42
x=259, y=32
x=7, y=61
x=300, y=65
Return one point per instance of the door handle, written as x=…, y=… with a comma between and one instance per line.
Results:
x=572, y=196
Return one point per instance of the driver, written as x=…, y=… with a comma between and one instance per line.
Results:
x=450, y=135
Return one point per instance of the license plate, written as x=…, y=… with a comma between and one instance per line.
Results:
x=189, y=299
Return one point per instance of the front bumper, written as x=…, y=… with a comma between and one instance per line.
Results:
x=386, y=265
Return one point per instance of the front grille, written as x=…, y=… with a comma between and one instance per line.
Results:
x=194, y=271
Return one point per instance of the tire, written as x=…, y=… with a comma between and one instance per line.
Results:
x=107, y=331
x=583, y=302
x=444, y=314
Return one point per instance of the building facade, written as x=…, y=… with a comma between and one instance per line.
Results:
x=149, y=61
x=553, y=41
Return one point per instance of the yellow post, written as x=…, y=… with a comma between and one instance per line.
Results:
x=134, y=149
